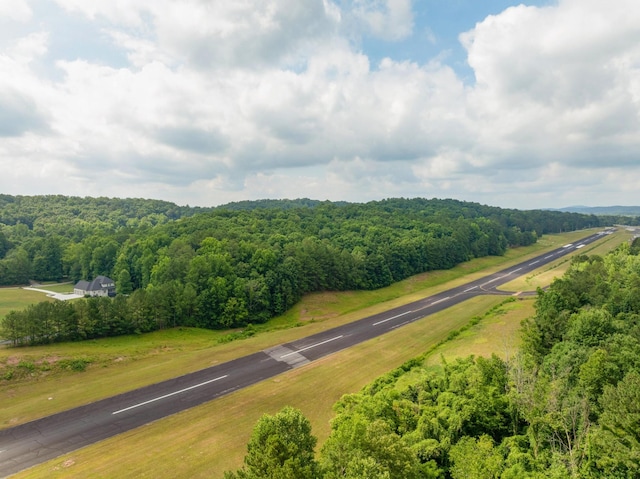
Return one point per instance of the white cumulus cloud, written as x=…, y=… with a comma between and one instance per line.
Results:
x=205, y=102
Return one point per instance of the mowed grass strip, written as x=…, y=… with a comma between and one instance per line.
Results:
x=207, y=440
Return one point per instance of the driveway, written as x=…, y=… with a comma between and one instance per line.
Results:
x=60, y=296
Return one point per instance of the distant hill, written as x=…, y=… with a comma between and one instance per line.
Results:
x=603, y=210
x=277, y=204
x=66, y=212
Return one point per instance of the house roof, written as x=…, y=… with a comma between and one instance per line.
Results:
x=98, y=284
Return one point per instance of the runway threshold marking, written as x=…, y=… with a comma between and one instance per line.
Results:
x=312, y=346
x=393, y=317
x=170, y=394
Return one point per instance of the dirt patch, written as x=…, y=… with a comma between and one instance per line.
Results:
x=50, y=360
x=13, y=361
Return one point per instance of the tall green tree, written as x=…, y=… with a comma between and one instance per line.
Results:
x=281, y=447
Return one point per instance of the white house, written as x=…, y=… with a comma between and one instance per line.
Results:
x=100, y=286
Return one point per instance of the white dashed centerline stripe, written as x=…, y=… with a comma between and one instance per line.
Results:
x=312, y=346
x=440, y=300
x=393, y=317
x=515, y=270
x=535, y=262
x=170, y=394
x=470, y=289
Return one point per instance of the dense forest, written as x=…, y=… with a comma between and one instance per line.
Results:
x=567, y=406
x=236, y=265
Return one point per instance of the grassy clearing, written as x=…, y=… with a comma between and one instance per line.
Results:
x=496, y=334
x=17, y=298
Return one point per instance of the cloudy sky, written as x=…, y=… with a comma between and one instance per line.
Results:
x=204, y=102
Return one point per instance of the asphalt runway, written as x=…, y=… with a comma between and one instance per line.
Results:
x=43, y=439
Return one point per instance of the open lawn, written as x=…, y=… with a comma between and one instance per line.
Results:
x=205, y=441
x=18, y=298
x=57, y=287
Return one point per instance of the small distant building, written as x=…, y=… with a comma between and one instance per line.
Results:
x=101, y=286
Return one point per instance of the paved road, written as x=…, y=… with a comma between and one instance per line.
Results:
x=43, y=439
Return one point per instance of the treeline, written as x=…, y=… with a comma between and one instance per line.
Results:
x=568, y=406
x=228, y=268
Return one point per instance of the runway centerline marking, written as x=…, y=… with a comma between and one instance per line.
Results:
x=467, y=290
x=535, y=262
x=169, y=395
x=440, y=300
x=312, y=346
x=393, y=317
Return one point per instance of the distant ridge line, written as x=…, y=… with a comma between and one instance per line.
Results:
x=602, y=210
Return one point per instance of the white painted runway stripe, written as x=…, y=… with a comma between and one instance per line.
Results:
x=440, y=300
x=515, y=270
x=170, y=394
x=393, y=317
x=312, y=346
x=470, y=289
x=535, y=262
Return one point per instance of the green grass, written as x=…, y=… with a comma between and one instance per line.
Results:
x=18, y=299
x=57, y=287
